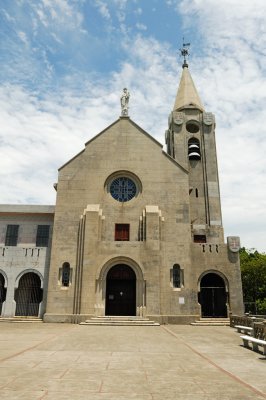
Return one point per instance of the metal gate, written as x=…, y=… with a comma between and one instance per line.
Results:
x=28, y=295
x=2, y=292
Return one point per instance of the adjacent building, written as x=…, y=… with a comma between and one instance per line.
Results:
x=25, y=244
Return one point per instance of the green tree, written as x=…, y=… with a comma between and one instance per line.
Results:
x=253, y=271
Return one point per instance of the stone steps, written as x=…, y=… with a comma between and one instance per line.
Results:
x=21, y=319
x=120, y=321
x=212, y=322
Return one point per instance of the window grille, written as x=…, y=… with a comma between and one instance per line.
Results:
x=11, y=235
x=42, y=238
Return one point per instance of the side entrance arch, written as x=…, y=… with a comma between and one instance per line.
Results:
x=2, y=292
x=120, y=291
x=28, y=295
x=213, y=296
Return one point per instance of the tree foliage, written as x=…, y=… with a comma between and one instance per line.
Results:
x=253, y=271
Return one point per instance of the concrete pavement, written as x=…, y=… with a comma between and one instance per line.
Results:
x=62, y=361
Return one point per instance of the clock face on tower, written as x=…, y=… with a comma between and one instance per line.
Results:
x=123, y=189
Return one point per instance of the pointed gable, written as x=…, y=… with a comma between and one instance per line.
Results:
x=128, y=138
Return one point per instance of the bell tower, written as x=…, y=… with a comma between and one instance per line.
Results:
x=190, y=140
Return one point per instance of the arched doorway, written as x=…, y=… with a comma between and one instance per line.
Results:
x=120, y=291
x=213, y=296
x=2, y=292
x=28, y=295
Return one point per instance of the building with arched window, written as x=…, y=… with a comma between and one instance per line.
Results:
x=136, y=231
x=25, y=246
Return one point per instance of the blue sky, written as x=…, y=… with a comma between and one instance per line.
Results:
x=65, y=62
x=61, y=38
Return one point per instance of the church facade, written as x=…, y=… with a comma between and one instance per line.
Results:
x=135, y=230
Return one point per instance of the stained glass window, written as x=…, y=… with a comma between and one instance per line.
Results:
x=123, y=189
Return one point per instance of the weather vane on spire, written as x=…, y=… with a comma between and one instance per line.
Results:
x=185, y=53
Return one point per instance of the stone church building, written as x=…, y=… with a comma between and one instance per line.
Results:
x=136, y=231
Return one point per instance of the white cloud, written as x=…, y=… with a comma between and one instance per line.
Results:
x=103, y=9
x=7, y=15
x=61, y=13
x=121, y=10
x=56, y=38
x=141, y=27
x=138, y=11
x=41, y=14
x=23, y=37
x=222, y=23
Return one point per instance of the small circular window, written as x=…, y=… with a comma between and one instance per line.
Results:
x=123, y=189
x=192, y=127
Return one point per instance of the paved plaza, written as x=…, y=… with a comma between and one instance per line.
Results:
x=63, y=361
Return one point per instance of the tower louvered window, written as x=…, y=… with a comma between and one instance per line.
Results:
x=194, y=149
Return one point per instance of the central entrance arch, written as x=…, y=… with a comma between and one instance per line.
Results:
x=213, y=296
x=120, y=291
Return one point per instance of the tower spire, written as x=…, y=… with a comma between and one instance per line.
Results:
x=187, y=94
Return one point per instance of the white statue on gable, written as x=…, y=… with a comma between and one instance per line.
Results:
x=124, y=101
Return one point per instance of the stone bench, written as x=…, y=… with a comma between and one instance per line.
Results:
x=256, y=343
x=244, y=329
